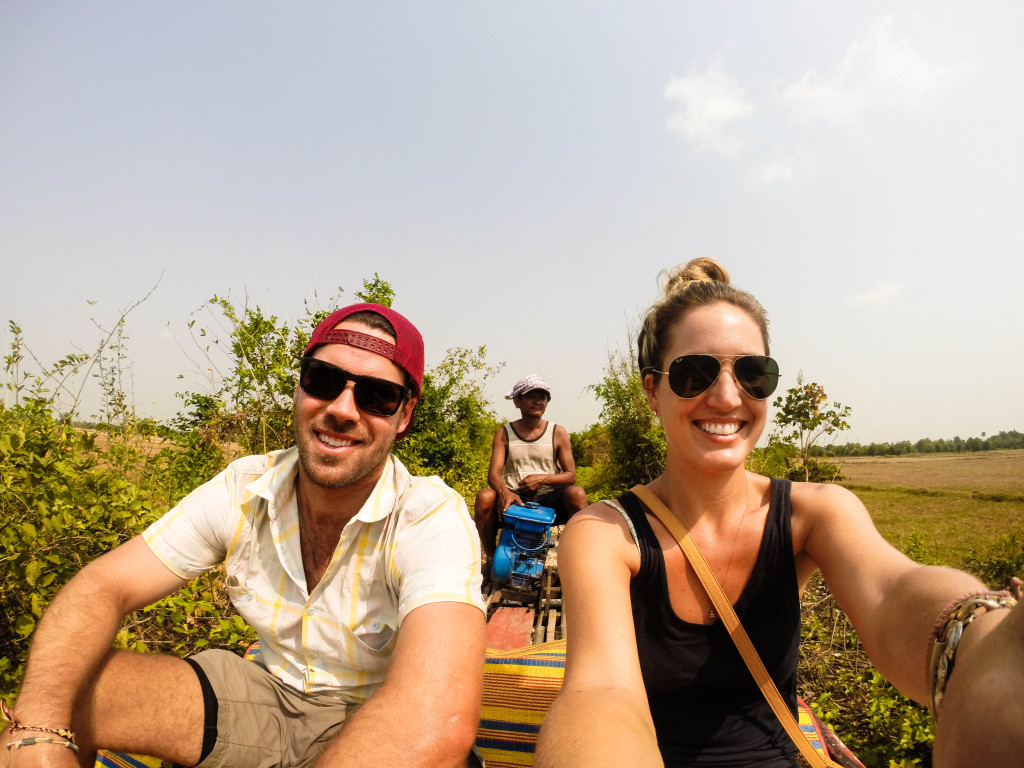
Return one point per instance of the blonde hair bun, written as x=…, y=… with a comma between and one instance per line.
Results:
x=700, y=270
x=703, y=281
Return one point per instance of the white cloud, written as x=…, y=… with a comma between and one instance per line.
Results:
x=878, y=69
x=712, y=103
x=790, y=169
x=884, y=289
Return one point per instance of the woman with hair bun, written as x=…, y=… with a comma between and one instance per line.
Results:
x=653, y=677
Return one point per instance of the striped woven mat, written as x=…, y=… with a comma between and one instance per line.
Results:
x=519, y=686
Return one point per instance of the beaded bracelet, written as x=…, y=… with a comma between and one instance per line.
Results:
x=42, y=740
x=8, y=715
x=946, y=636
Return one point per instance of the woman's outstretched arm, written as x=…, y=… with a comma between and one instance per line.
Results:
x=892, y=601
x=600, y=717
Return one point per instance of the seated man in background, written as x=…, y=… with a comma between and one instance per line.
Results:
x=361, y=580
x=531, y=460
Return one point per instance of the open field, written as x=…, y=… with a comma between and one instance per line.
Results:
x=945, y=505
x=987, y=472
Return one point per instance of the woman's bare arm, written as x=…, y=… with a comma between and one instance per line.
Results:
x=600, y=717
x=892, y=601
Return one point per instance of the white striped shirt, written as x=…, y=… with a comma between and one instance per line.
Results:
x=412, y=543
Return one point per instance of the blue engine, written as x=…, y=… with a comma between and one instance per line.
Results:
x=523, y=546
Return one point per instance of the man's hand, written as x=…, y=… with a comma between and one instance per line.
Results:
x=508, y=498
x=532, y=482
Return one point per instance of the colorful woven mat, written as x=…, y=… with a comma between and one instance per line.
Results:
x=117, y=760
x=519, y=686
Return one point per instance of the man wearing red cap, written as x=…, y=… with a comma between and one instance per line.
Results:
x=361, y=580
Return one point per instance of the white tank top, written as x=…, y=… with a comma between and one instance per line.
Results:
x=530, y=457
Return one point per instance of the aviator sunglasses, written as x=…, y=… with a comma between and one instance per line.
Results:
x=690, y=375
x=376, y=397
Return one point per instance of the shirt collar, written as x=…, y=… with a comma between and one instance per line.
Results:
x=382, y=499
x=278, y=483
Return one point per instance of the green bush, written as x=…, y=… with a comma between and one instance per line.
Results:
x=453, y=428
x=63, y=504
x=59, y=509
x=880, y=725
x=1002, y=561
x=636, y=440
x=774, y=460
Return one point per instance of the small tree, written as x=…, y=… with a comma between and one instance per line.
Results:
x=251, y=359
x=451, y=433
x=804, y=416
x=635, y=436
x=377, y=291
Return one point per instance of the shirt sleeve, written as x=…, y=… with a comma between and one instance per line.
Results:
x=437, y=556
x=192, y=537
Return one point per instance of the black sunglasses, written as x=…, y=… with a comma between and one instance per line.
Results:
x=325, y=381
x=690, y=375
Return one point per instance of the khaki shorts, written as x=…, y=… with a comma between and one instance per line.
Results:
x=260, y=721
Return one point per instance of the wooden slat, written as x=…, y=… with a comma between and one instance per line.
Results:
x=552, y=624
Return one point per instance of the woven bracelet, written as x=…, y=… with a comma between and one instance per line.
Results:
x=8, y=715
x=42, y=740
x=946, y=638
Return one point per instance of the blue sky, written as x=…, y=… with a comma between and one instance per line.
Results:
x=521, y=173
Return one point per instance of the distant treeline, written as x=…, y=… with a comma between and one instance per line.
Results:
x=1000, y=442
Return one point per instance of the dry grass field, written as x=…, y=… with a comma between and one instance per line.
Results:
x=986, y=472
x=942, y=506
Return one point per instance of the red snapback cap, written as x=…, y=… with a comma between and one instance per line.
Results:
x=406, y=352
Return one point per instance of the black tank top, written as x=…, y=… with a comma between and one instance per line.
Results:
x=707, y=709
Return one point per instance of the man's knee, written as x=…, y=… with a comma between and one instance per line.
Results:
x=483, y=506
x=575, y=498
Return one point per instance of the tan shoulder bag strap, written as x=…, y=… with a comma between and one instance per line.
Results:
x=739, y=635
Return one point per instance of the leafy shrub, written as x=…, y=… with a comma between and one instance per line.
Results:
x=1001, y=562
x=198, y=616
x=915, y=546
x=817, y=471
x=188, y=463
x=453, y=427
x=636, y=439
x=880, y=725
x=782, y=459
x=58, y=510
x=773, y=460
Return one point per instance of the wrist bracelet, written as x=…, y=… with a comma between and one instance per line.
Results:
x=42, y=740
x=946, y=636
x=7, y=714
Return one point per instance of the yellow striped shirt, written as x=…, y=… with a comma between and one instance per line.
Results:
x=412, y=543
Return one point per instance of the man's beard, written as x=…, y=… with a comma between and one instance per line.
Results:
x=326, y=472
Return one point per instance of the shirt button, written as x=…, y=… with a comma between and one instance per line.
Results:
x=375, y=626
x=310, y=611
x=249, y=596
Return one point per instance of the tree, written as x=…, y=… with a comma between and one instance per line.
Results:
x=252, y=361
x=452, y=430
x=635, y=436
x=377, y=291
x=804, y=417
